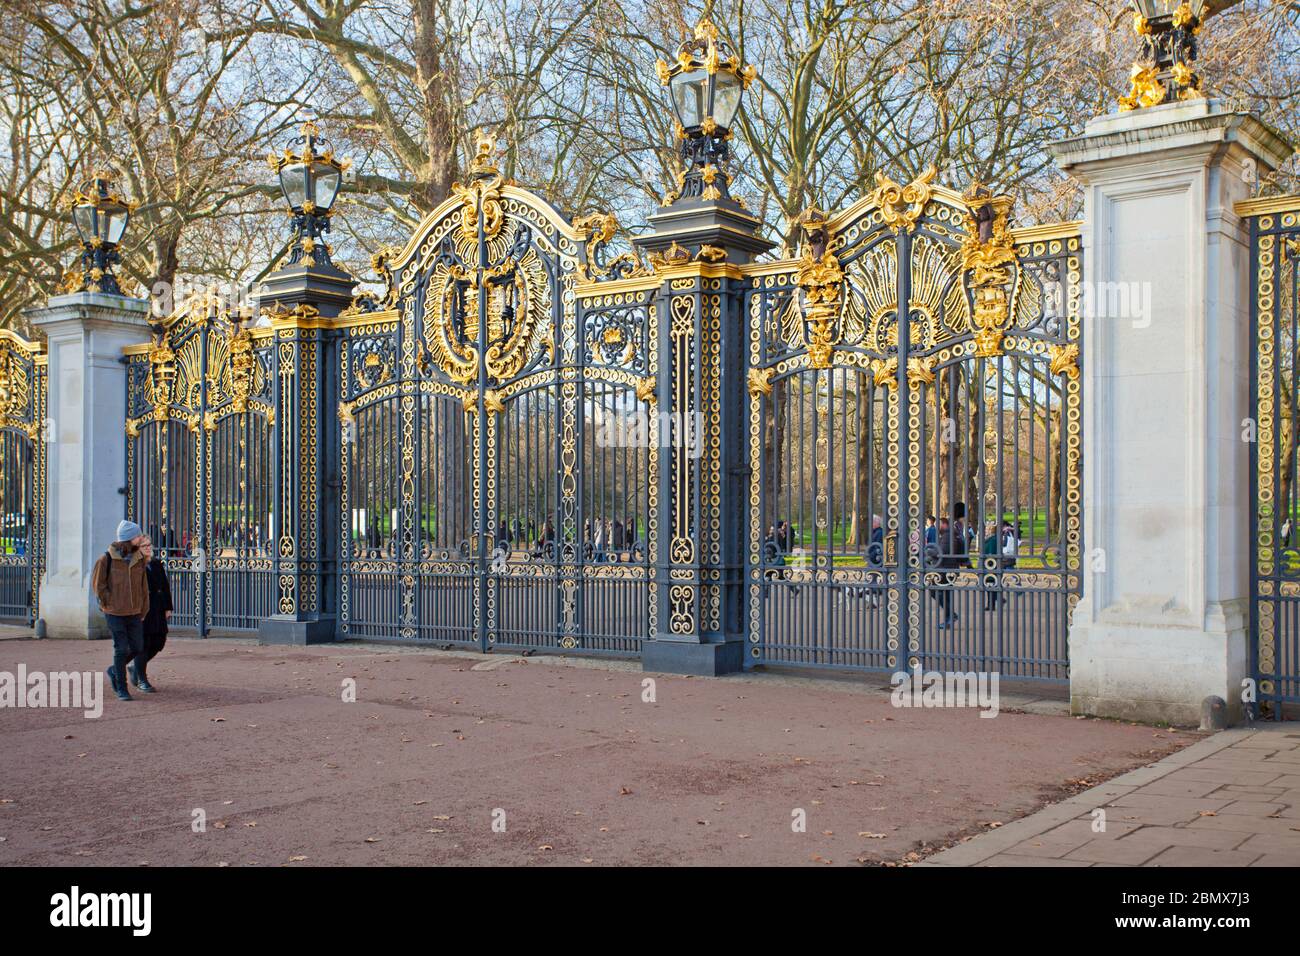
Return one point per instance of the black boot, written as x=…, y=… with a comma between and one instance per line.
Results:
x=139, y=679
x=118, y=688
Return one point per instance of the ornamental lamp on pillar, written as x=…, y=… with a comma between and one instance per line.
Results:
x=310, y=177
x=101, y=216
x=701, y=220
x=1167, y=32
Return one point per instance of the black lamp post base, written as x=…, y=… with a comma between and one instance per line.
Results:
x=694, y=223
x=326, y=288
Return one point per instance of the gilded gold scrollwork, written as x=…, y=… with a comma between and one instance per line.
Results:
x=482, y=194
x=1064, y=360
x=988, y=254
x=645, y=388
x=15, y=387
x=900, y=206
x=920, y=370
x=820, y=280
x=1145, y=88
x=760, y=381
x=885, y=371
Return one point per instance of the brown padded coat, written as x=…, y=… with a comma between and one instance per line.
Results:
x=120, y=584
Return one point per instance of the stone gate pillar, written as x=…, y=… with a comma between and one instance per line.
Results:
x=86, y=450
x=1163, y=621
x=698, y=242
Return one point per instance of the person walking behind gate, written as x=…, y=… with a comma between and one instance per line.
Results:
x=155, y=622
x=952, y=555
x=122, y=589
x=992, y=559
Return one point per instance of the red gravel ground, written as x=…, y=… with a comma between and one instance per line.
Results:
x=585, y=772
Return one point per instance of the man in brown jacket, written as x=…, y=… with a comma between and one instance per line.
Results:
x=120, y=585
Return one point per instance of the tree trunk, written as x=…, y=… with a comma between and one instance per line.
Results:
x=860, y=531
x=435, y=81
x=1054, y=474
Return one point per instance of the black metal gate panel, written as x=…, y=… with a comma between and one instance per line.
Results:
x=1274, y=455
x=23, y=438
x=915, y=440
x=201, y=462
x=482, y=501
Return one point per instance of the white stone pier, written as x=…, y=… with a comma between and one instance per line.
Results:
x=86, y=459
x=1164, y=617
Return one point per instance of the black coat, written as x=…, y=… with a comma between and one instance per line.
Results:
x=160, y=598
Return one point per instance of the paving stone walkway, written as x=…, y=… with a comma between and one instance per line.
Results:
x=1229, y=800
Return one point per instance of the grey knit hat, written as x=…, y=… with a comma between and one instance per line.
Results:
x=127, y=530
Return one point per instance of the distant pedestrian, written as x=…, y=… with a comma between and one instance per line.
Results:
x=155, y=622
x=992, y=559
x=876, y=546
x=1010, y=544
x=122, y=589
x=952, y=555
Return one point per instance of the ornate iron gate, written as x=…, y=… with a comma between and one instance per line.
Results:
x=23, y=440
x=200, y=462
x=474, y=457
x=914, y=428
x=1275, y=453
x=482, y=501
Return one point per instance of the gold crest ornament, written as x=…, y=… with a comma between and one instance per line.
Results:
x=900, y=206
x=820, y=279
